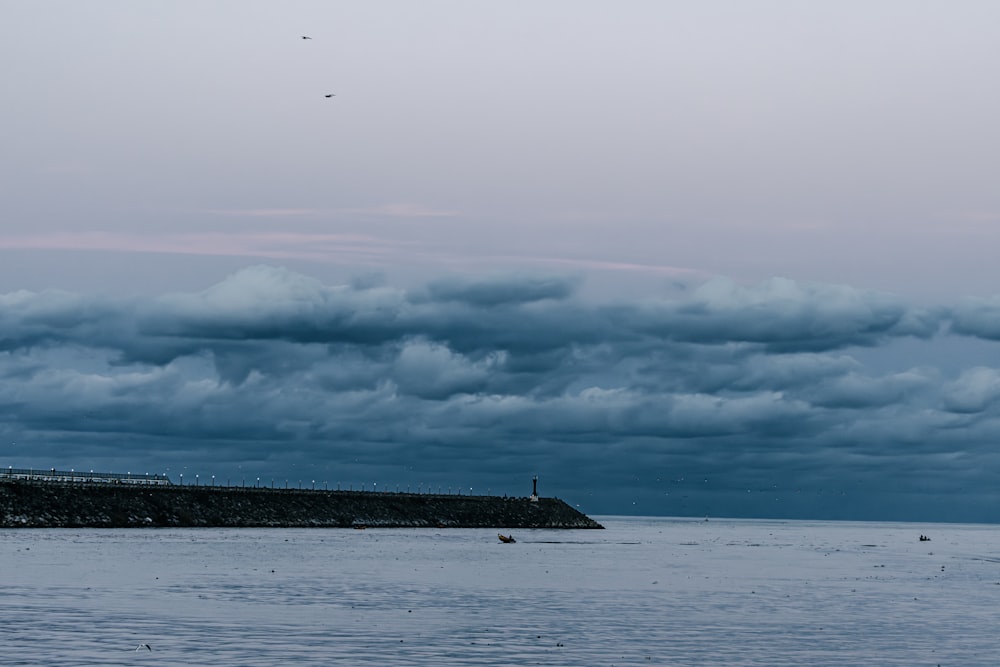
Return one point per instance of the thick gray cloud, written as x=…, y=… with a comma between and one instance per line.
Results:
x=977, y=317
x=501, y=290
x=784, y=315
x=750, y=390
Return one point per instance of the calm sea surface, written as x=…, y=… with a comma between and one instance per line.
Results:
x=643, y=592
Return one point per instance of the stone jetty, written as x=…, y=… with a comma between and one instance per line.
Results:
x=51, y=504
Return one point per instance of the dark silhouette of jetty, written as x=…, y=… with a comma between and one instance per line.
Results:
x=51, y=500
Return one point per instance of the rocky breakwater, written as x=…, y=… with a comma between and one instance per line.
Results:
x=94, y=505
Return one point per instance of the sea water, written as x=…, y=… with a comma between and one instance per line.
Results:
x=643, y=592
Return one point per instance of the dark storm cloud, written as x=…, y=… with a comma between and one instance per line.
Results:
x=783, y=315
x=501, y=290
x=977, y=317
x=976, y=391
x=55, y=317
x=487, y=379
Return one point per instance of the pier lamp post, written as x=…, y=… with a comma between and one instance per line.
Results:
x=196, y=480
x=300, y=484
x=325, y=487
x=213, y=480
x=182, y=479
x=374, y=488
x=314, y=485
x=258, y=482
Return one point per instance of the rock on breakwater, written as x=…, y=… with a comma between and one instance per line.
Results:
x=85, y=505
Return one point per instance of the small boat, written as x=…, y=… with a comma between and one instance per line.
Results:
x=506, y=539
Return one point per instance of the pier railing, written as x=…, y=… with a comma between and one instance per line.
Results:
x=53, y=475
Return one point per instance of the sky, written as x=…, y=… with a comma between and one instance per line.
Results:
x=716, y=258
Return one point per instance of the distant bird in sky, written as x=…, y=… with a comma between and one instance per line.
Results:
x=306, y=37
x=330, y=95
x=143, y=646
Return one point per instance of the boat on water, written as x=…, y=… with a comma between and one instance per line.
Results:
x=506, y=539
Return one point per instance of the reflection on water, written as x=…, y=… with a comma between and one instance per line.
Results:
x=642, y=592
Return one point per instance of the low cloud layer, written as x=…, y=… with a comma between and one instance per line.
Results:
x=733, y=400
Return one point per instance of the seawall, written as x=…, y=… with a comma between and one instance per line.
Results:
x=92, y=505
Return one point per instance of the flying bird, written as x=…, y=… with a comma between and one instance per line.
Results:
x=306, y=37
x=330, y=95
x=143, y=646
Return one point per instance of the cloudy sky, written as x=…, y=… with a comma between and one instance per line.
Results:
x=718, y=258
